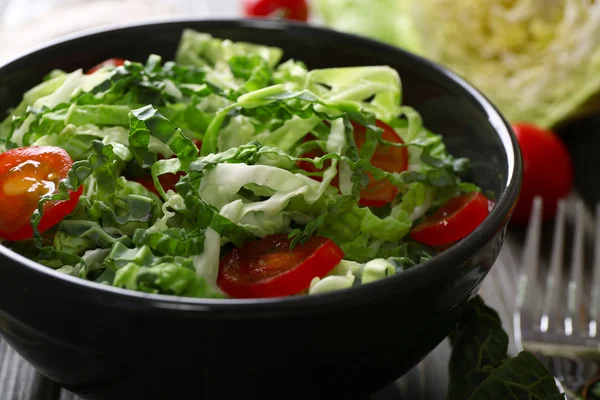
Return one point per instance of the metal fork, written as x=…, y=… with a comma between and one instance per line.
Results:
x=559, y=321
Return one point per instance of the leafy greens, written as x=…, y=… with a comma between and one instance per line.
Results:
x=229, y=125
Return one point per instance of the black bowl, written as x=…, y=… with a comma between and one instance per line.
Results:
x=105, y=342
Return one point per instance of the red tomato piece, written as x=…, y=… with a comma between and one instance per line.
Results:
x=387, y=158
x=453, y=221
x=167, y=181
x=308, y=167
x=287, y=9
x=547, y=171
x=114, y=62
x=26, y=174
x=268, y=268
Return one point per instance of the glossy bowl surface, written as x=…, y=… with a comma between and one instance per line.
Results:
x=108, y=343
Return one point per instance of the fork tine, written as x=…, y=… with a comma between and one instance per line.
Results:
x=528, y=288
x=564, y=335
x=552, y=294
x=575, y=287
x=595, y=289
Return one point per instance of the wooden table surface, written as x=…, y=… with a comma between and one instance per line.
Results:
x=25, y=24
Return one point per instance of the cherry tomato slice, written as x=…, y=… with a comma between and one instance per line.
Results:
x=387, y=158
x=547, y=171
x=268, y=268
x=26, y=174
x=114, y=62
x=453, y=221
x=287, y=9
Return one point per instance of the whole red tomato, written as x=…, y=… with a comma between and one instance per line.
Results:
x=548, y=170
x=287, y=9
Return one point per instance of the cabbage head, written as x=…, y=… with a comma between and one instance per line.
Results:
x=537, y=60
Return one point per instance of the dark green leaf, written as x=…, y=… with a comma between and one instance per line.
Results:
x=481, y=369
x=208, y=216
x=148, y=121
x=173, y=241
x=521, y=377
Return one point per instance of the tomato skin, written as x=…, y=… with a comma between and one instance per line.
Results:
x=167, y=181
x=308, y=167
x=26, y=174
x=268, y=268
x=387, y=158
x=287, y=9
x=147, y=182
x=453, y=221
x=547, y=171
x=115, y=62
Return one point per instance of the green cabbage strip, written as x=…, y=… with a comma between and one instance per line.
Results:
x=200, y=49
x=218, y=181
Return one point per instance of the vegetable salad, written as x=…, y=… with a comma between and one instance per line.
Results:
x=227, y=173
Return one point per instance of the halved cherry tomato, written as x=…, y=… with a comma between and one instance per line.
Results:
x=547, y=171
x=453, y=221
x=287, y=9
x=387, y=158
x=114, y=62
x=268, y=268
x=26, y=174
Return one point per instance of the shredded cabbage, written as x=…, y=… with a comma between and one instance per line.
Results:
x=231, y=126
